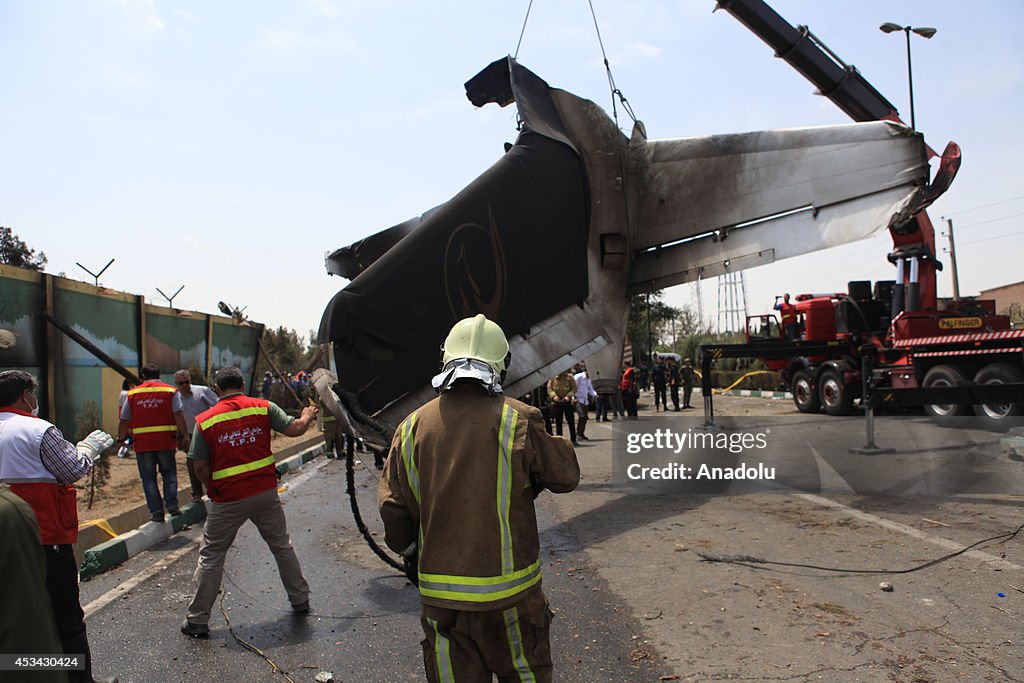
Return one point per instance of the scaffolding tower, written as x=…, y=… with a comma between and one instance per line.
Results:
x=698, y=304
x=732, y=302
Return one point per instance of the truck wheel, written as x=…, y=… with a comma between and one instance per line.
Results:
x=804, y=395
x=945, y=376
x=834, y=395
x=997, y=416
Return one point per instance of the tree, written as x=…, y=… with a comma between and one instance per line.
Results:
x=654, y=325
x=14, y=252
x=1016, y=313
x=287, y=348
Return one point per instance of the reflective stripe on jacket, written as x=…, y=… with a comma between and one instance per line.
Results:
x=21, y=467
x=152, y=423
x=459, y=484
x=237, y=432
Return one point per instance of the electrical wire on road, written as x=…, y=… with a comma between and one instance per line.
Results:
x=249, y=646
x=756, y=562
x=368, y=615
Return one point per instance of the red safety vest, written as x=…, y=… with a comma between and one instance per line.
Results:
x=628, y=380
x=787, y=312
x=237, y=432
x=54, y=504
x=152, y=423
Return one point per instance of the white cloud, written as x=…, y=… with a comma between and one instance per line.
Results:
x=325, y=8
x=642, y=50
x=121, y=78
x=439, y=106
x=144, y=10
x=280, y=40
x=628, y=54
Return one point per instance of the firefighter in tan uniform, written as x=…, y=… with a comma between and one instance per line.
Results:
x=457, y=502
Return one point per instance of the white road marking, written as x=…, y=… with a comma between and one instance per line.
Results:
x=129, y=585
x=167, y=560
x=991, y=560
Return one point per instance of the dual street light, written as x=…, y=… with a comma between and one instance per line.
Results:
x=924, y=32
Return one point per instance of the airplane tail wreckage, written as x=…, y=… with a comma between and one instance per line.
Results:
x=552, y=239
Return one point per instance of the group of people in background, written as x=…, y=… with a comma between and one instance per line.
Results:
x=291, y=392
x=568, y=398
x=666, y=374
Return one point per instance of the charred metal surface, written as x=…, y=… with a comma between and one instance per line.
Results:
x=553, y=238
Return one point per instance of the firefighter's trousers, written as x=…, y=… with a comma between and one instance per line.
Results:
x=467, y=647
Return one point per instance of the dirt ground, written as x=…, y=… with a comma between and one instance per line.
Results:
x=122, y=489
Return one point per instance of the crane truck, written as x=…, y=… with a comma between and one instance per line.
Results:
x=895, y=341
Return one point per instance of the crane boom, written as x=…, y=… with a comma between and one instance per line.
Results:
x=913, y=243
x=842, y=83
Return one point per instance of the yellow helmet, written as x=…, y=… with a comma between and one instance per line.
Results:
x=477, y=338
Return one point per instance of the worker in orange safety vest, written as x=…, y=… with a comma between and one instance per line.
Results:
x=231, y=450
x=153, y=415
x=787, y=312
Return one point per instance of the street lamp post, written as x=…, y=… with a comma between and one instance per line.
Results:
x=924, y=32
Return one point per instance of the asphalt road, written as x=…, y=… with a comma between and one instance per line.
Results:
x=627, y=573
x=874, y=517
x=364, y=624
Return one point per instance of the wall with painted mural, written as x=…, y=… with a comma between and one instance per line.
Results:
x=40, y=316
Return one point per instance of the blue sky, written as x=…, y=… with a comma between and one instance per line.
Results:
x=226, y=146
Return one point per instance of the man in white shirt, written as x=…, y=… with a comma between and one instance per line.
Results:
x=195, y=398
x=585, y=395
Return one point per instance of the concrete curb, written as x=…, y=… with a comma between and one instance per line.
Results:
x=759, y=394
x=106, y=555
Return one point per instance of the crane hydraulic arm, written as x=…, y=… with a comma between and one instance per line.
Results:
x=836, y=80
x=914, y=241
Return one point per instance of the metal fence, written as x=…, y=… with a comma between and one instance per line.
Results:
x=79, y=341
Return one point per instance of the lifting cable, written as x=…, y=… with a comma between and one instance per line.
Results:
x=611, y=80
x=753, y=562
x=521, y=33
x=607, y=67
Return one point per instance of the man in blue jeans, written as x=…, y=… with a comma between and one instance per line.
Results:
x=153, y=415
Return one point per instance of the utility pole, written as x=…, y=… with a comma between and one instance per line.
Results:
x=952, y=259
x=650, y=339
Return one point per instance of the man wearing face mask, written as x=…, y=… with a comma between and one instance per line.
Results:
x=40, y=465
